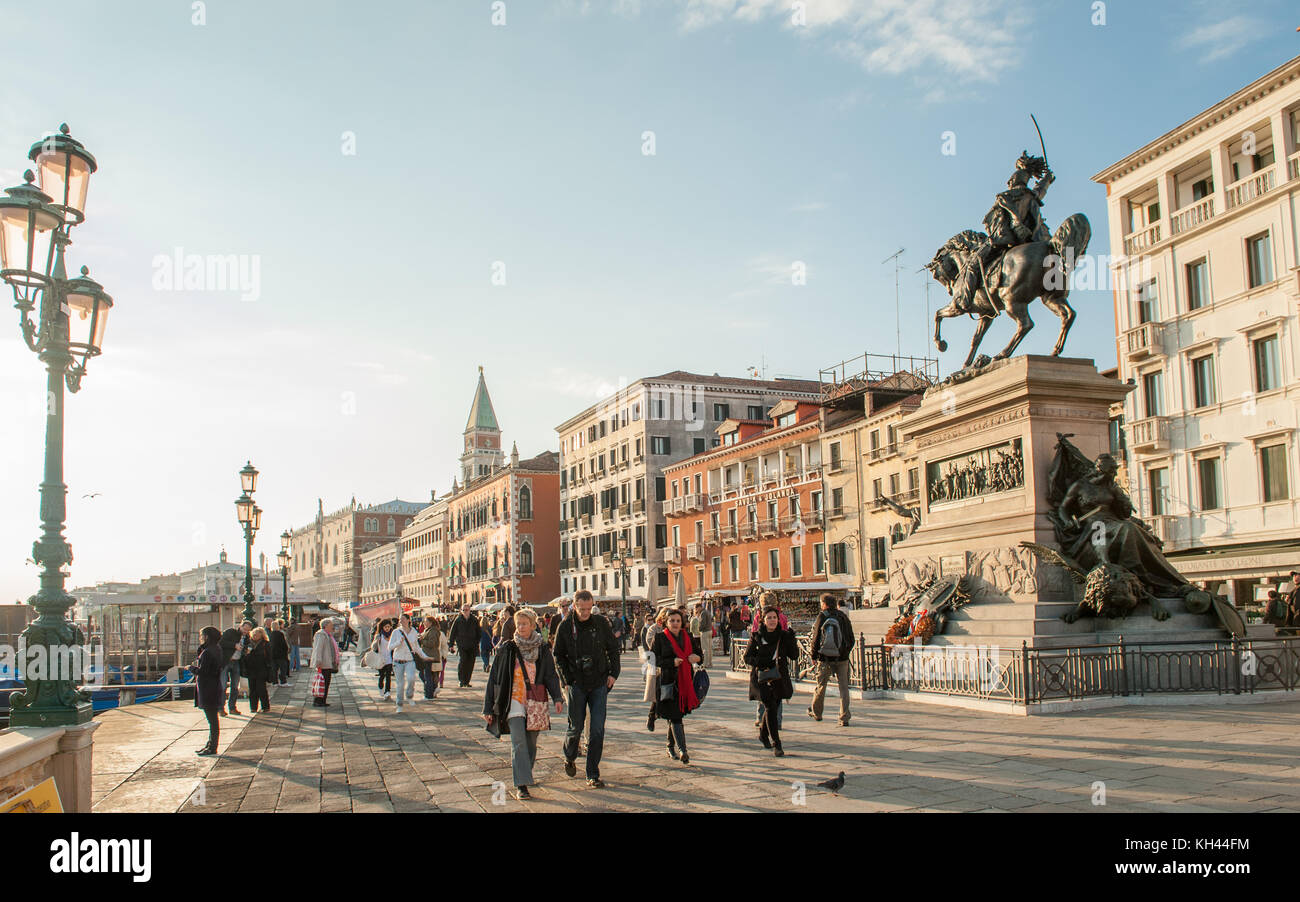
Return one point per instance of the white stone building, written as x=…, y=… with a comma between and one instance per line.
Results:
x=1203, y=236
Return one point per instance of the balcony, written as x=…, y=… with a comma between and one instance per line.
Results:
x=791, y=523
x=727, y=534
x=1293, y=167
x=1142, y=239
x=1251, y=187
x=837, y=513
x=908, y=496
x=586, y=561
x=692, y=502
x=1143, y=341
x=695, y=551
x=1149, y=436
x=625, y=510
x=883, y=451
x=836, y=465
x=1163, y=527
x=748, y=532
x=638, y=506
x=673, y=554
x=585, y=519
x=1191, y=217
x=769, y=526
x=638, y=551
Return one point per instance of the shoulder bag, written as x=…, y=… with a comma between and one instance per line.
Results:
x=537, y=716
x=773, y=673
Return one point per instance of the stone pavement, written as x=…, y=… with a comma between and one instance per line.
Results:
x=359, y=755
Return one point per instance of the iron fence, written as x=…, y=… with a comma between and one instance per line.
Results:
x=1028, y=676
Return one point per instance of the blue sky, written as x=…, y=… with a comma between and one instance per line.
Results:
x=353, y=369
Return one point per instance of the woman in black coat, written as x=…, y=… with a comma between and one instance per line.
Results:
x=256, y=665
x=208, y=694
x=279, y=654
x=672, y=706
x=521, y=663
x=771, y=645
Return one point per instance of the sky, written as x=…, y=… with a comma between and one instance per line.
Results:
x=570, y=194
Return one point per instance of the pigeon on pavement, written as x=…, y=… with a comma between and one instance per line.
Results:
x=834, y=785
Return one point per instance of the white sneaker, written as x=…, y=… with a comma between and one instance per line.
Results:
x=386, y=694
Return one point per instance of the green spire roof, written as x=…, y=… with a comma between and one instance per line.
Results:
x=481, y=414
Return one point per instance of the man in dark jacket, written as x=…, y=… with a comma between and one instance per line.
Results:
x=832, y=643
x=279, y=653
x=233, y=643
x=587, y=655
x=464, y=638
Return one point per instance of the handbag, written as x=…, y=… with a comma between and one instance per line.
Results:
x=536, y=715
x=701, y=683
x=667, y=690
x=370, y=659
x=318, y=685
x=773, y=673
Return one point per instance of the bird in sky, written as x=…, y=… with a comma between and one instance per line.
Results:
x=92, y=495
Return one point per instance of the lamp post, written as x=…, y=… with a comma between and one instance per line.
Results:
x=283, y=560
x=250, y=517
x=68, y=330
x=622, y=571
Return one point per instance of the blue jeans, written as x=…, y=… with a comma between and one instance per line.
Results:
x=579, y=701
x=405, y=673
x=230, y=683
x=293, y=658
x=430, y=679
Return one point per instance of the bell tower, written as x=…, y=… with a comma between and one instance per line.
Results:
x=482, y=449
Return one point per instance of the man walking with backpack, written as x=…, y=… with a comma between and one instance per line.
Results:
x=587, y=655
x=832, y=643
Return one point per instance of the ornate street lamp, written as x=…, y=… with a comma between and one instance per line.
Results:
x=250, y=517
x=622, y=567
x=66, y=331
x=283, y=559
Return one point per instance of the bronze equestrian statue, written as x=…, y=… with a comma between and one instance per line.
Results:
x=1015, y=261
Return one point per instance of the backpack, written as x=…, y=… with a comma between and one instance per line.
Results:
x=832, y=638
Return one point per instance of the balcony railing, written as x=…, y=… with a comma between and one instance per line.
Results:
x=625, y=510
x=695, y=551
x=908, y=496
x=638, y=506
x=790, y=523
x=769, y=526
x=586, y=561
x=1251, y=187
x=728, y=533
x=1189, y=218
x=1142, y=239
x=1293, y=167
x=748, y=531
x=673, y=554
x=638, y=551
x=692, y=502
x=585, y=519
x=1143, y=341
x=1149, y=436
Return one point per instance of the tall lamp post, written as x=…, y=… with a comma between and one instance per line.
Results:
x=283, y=560
x=67, y=330
x=622, y=571
x=250, y=517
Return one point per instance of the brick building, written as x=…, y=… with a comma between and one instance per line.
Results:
x=750, y=511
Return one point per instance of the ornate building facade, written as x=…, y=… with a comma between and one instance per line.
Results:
x=1206, y=268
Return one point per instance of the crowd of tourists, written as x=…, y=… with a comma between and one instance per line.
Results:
x=568, y=661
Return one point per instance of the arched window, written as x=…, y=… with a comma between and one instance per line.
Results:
x=391, y=525
x=526, y=557
x=525, y=503
x=336, y=554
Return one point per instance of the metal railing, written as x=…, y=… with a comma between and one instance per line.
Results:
x=1026, y=676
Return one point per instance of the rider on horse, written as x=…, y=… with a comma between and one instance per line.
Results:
x=1014, y=219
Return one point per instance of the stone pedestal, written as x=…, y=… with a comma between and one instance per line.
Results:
x=30, y=755
x=985, y=447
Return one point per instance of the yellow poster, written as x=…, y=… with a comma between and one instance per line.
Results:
x=43, y=798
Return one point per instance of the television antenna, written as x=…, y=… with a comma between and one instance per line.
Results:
x=898, y=323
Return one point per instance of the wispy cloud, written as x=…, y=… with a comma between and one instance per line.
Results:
x=974, y=41
x=1221, y=39
x=815, y=206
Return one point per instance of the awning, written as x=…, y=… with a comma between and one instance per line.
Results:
x=807, y=587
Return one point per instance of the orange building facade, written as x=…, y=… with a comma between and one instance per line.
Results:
x=749, y=512
x=504, y=535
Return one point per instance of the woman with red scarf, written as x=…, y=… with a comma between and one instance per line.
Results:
x=676, y=652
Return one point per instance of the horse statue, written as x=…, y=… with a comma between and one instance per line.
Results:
x=1004, y=270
